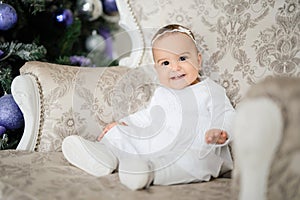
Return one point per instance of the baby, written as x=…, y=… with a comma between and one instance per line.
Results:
x=181, y=137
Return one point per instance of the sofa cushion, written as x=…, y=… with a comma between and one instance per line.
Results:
x=48, y=176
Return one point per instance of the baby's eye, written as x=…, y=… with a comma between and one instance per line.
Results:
x=165, y=63
x=182, y=58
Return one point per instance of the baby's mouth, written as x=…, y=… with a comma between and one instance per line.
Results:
x=176, y=77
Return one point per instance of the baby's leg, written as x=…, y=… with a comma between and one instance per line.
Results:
x=138, y=173
x=170, y=173
x=93, y=157
x=135, y=173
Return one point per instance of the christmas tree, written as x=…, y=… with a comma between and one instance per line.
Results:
x=72, y=32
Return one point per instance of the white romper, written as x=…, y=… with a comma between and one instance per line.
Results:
x=171, y=131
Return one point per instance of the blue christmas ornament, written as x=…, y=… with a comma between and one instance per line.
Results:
x=8, y=16
x=109, y=7
x=11, y=116
x=1, y=53
x=64, y=17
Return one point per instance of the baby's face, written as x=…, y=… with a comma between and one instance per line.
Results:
x=177, y=60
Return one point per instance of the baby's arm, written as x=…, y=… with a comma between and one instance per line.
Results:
x=222, y=114
x=216, y=136
x=141, y=118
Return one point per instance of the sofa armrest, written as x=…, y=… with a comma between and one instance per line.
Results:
x=267, y=141
x=129, y=23
x=26, y=93
x=60, y=100
x=255, y=144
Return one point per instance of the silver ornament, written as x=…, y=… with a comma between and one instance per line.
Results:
x=95, y=42
x=89, y=9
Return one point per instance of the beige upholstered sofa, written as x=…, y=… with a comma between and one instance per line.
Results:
x=243, y=43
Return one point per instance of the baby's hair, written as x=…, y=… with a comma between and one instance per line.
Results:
x=173, y=28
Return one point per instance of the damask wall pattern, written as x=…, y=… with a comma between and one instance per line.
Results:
x=242, y=41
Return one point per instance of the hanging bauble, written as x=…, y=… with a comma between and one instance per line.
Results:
x=89, y=9
x=95, y=42
x=1, y=53
x=63, y=17
x=11, y=116
x=8, y=16
x=109, y=7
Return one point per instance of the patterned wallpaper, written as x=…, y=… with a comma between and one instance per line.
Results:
x=243, y=41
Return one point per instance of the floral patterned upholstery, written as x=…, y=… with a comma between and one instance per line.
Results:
x=242, y=41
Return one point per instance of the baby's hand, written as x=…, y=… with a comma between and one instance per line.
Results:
x=215, y=136
x=107, y=128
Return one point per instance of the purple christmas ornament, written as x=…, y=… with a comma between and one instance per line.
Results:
x=81, y=61
x=11, y=116
x=8, y=16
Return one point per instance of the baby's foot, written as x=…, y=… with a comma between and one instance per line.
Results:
x=135, y=173
x=92, y=157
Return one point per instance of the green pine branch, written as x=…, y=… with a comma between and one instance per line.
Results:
x=71, y=35
x=26, y=52
x=10, y=139
x=5, y=78
x=4, y=141
x=35, y=5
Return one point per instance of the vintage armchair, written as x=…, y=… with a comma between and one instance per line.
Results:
x=246, y=45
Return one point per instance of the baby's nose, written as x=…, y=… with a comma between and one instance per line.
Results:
x=175, y=66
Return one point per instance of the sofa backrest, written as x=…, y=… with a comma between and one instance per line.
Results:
x=60, y=100
x=242, y=41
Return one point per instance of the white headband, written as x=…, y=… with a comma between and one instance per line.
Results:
x=179, y=29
